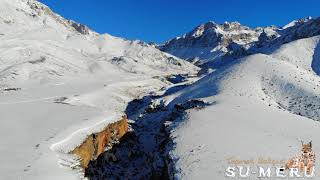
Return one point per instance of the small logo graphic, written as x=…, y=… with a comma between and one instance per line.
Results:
x=301, y=165
x=304, y=161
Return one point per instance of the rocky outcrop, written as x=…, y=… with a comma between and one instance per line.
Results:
x=97, y=143
x=80, y=27
x=268, y=35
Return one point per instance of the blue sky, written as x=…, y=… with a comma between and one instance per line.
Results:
x=160, y=20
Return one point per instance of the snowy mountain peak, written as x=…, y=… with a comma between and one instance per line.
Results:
x=212, y=27
x=234, y=26
x=40, y=9
x=297, y=22
x=202, y=29
x=210, y=40
x=30, y=15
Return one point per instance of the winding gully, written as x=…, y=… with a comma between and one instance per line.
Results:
x=143, y=153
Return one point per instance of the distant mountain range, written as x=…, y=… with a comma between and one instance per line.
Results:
x=211, y=41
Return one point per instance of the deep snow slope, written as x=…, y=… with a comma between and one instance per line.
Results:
x=262, y=106
x=39, y=45
x=60, y=81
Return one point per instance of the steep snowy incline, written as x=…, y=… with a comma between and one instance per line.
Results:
x=262, y=108
x=40, y=46
x=60, y=82
x=303, y=53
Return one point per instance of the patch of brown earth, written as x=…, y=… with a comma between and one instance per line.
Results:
x=97, y=143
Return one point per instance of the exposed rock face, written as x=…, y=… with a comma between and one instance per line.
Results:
x=97, y=143
x=80, y=28
x=268, y=35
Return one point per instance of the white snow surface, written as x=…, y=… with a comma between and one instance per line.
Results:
x=57, y=86
x=263, y=105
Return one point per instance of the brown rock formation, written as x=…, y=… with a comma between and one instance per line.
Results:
x=96, y=143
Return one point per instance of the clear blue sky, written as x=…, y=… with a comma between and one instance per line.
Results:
x=160, y=20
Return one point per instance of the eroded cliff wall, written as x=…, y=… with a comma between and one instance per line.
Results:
x=97, y=143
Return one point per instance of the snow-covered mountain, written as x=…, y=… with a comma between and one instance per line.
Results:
x=257, y=106
x=62, y=85
x=267, y=90
x=262, y=106
x=40, y=45
x=60, y=82
x=211, y=41
x=298, y=29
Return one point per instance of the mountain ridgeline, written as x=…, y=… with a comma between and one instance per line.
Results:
x=211, y=42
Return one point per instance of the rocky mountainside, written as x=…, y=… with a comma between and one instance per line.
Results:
x=212, y=42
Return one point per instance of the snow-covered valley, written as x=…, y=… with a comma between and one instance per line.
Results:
x=231, y=93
